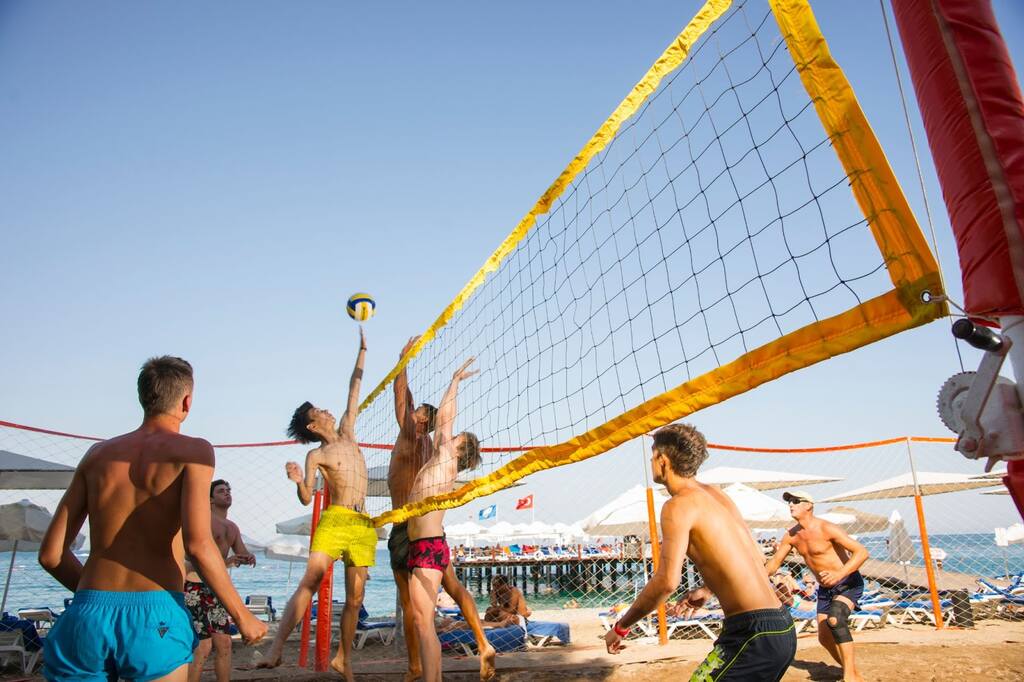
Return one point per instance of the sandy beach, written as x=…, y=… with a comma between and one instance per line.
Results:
x=993, y=650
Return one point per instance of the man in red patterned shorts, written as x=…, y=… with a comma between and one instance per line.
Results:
x=209, y=617
x=428, y=550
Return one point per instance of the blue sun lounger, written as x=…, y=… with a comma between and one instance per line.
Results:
x=540, y=632
x=504, y=640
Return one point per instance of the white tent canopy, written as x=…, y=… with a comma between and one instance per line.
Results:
x=759, y=479
x=930, y=483
x=570, y=533
x=18, y=472
x=499, y=532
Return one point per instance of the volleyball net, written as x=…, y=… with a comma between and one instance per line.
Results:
x=579, y=537
x=733, y=220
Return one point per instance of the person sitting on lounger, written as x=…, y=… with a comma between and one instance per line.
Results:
x=507, y=604
x=788, y=590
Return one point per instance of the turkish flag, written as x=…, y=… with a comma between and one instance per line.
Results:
x=524, y=503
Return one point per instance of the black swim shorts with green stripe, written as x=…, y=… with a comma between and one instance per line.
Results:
x=755, y=645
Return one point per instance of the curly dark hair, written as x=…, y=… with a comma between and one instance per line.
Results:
x=469, y=452
x=684, y=446
x=431, y=416
x=298, y=427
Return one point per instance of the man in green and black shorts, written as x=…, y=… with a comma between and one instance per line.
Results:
x=758, y=639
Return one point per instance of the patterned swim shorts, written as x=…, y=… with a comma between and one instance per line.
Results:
x=209, y=617
x=429, y=553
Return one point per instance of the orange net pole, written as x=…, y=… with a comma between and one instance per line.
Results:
x=308, y=616
x=656, y=559
x=323, y=616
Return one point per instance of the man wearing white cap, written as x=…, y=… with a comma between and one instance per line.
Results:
x=835, y=558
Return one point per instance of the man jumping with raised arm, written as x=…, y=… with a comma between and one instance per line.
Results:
x=412, y=449
x=758, y=640
x=345, y=531
x=428, y=556
x=209, y=617
x=835, y=558
x=146, y=494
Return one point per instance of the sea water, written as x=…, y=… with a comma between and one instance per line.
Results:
x=972, y=554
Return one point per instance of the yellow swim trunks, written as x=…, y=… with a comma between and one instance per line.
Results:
x=347, y=535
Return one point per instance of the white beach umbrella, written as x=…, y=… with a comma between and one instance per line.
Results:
x=625, y=515
x=302, y=525
x=20, y=472
x=1005, y=537
x=759, y=479
x=287, y=548
x=901, y=547
x=757, y=509
x=22, y=526
x=1011, y=535
x=930, y=483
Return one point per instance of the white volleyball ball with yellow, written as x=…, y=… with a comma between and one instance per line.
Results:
x=361, y=307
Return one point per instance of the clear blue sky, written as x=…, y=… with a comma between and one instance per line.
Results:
x=213, y=180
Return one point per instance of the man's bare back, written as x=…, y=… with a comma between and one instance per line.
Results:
x=146, y=495
x=758, y=638
x=136, y=480
x=722, y=549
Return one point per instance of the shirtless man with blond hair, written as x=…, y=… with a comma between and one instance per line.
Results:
x=146, y=495
x=209, y=617
x=345, y=530
x=758, y=639
x=429, y=557
x=412, y=449
x=835, y=559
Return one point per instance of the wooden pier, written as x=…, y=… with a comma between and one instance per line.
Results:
x=576, y=576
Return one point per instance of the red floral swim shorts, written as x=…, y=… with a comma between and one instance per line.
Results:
x=429, y=553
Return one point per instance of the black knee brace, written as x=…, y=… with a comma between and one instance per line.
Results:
x=838, y=615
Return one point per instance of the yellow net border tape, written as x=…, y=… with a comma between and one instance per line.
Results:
x=911, y=265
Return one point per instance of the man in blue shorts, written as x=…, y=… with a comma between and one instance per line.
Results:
x=146, y=494
x=835, y=558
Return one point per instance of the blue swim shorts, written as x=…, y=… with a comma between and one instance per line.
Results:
x=109, y=635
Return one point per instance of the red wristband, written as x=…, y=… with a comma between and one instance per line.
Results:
x=621, y=632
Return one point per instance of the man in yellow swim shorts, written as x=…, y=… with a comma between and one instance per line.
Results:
x=345, y=530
